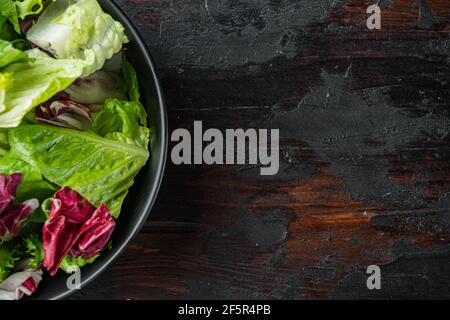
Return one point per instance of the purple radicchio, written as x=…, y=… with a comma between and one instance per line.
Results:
x=74, y=227
x=8, y=187
x=13, y=216
x=20, y=284
x=94, y=234
x=65, y=113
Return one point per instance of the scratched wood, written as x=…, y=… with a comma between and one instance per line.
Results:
x=365, y=161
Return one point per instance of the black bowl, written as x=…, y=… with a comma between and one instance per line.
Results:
x=142, y=196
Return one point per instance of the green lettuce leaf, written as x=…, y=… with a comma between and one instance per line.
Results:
x=100, y=169
x=33, y=185
x=131, y=80
x=9, y=255
x=26, y=85
x=70, y=265
x=5, y=82
x=34, y=250
x=22, y=44
x=7, y=31
x=13, y=10
x=4, y=145
x=80, y=31
x=9, y=54
x=123, y=121
x=9, y=11
x=26, y=8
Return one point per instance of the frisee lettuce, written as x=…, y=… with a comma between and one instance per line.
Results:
x=34, y=250
x=71, y=265
x=9, y=255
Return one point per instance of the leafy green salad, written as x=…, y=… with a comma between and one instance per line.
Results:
x=73, y=136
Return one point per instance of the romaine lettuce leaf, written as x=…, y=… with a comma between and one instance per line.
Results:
x=26, y=85
x=5, y=82
x=7, y=31
x=80, y=31
x=123, y=121
x=9, y=54
x=3, y=137
x=13, y=10
x=100, y=169
x=26, y=8
x=4, y=145
x=131, y=80
x=9, y=11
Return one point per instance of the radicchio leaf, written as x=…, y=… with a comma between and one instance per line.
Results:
x=11, y=220
x=94, y=234
x=66, y=114
x=26, y=24
x=20, y=284
x=12, y=216
x=68, y=211
x=72, y=205
x=74, y=227
x=8, y=187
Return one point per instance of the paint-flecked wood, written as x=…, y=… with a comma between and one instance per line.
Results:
x=365, y=160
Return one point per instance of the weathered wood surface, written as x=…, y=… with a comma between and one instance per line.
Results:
x=365, y=172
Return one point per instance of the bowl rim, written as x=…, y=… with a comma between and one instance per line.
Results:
x=150, y=201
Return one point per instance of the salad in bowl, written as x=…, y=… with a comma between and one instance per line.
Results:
x=73, y=137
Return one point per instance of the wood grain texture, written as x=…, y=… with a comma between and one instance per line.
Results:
x=365, y=159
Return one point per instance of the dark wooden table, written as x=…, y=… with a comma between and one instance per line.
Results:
x=365, y=158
